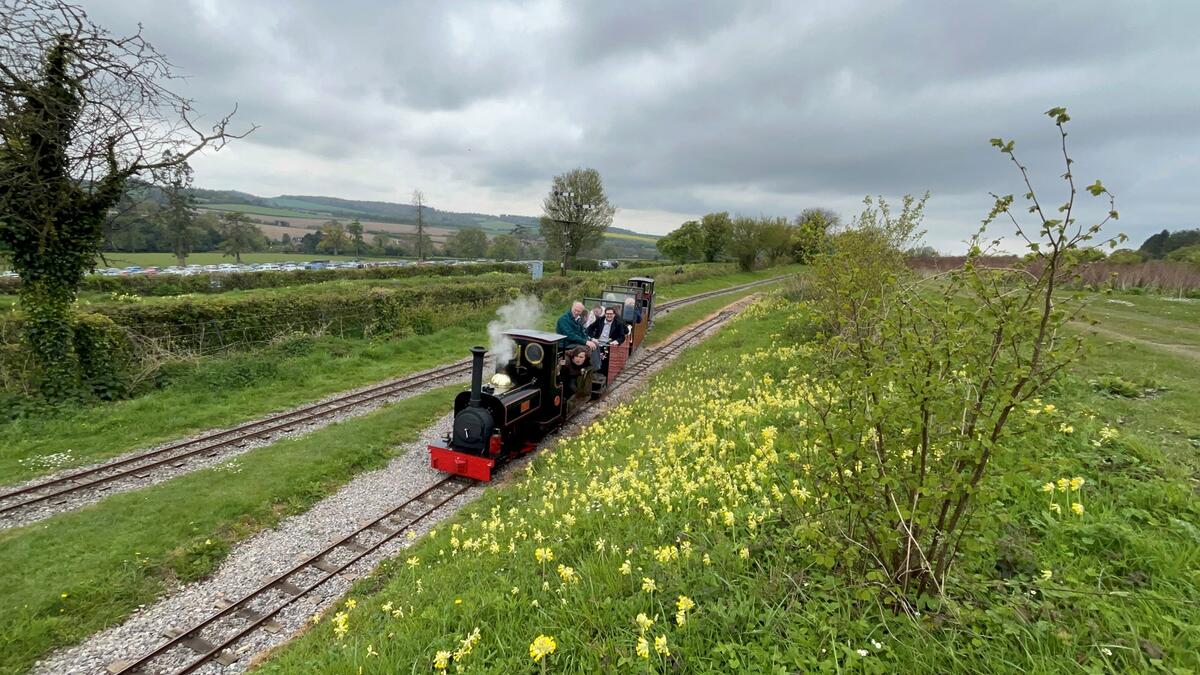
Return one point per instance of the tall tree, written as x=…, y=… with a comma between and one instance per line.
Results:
x=81, y=112
x=179, y=212
x=418, y=200
x=333, y=237
x=715, y=229
x=355, y=229
x=239, y=235
x=575, y=214
x=504, y=247
x=746, y=241
x=380, y=243
x=813, y=227
x=469, y=242
x=684, y=243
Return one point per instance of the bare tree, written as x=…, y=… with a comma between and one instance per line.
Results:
x=81, y=112
x=418, y=200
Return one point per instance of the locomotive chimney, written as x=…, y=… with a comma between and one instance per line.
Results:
x=476, y=375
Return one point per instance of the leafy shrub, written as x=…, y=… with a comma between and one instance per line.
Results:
x=1118, y=386
x=105, y=357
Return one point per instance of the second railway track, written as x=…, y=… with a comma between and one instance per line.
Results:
x=40, y=499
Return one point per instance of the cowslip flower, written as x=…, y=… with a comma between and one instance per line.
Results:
x=644, y=622
x=1076, y=483
x=660, y=645
x=441, y=660
x=626, y=568
x=543, y=555
x=567, y=574
x=1077, y=509
x=1048, y=487
x=542, y=646
x=413, y=561
x=1046, y=574
x=643, y=648
x=649, y=585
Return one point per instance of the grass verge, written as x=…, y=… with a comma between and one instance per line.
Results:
x=81, y=571
x=687, y=541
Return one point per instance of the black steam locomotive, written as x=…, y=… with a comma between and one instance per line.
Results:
x=525, y=399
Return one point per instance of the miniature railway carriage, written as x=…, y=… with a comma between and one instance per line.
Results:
x=525, y=400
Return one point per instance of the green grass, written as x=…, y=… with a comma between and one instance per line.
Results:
x=675, y=291
x=81, y=571
x=1123, y=596
x=226, y=390
x=222, y=392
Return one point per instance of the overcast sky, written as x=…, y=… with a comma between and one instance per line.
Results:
x=691, y=106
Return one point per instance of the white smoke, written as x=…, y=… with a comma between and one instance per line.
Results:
x=524, y=312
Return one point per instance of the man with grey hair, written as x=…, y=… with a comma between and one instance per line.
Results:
x=570, y=324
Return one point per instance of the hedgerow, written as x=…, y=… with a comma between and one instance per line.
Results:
x=171, y=284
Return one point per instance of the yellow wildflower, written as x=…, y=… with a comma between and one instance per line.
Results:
x=1076, y=483
x=1077, y=508
x=341, y=624
x=684, y=603
x=644, y=622
x=626, y=568
x=441, y=659
x=1048, y=487
x=1055, y=508
x=543, y=555
x=1063, y=484
x=643, y=648
x=1046, y=574
x=660, y=645
x=1066, y=428
x=567, y=574
x=413, y=561
x=351, y=603
x=649, y=585
x=744, y=553
x=542, y=646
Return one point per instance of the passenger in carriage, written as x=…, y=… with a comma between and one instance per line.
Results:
x=570, y=325
x=611, y=328
x=593, y=316
x=574, y=370
x=633, y=313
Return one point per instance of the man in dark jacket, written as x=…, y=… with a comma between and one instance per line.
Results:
x=610, y=328
x=570, y=326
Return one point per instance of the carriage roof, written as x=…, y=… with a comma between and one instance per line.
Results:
x=534, y=335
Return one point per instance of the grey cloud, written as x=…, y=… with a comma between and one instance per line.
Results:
x=682, y=103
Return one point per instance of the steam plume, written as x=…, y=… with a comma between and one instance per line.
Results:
x=524, y=312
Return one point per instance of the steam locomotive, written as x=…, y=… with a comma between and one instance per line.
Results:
x=525, y=399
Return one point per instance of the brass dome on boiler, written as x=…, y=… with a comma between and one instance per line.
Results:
x=500, y=382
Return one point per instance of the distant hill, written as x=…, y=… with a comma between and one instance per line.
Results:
x=324, y=208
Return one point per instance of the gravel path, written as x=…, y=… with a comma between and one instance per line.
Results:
x=273, y=551
x=70, y=502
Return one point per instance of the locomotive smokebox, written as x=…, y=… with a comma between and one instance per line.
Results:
x=476, y=376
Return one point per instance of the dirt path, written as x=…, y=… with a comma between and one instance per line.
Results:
x=1176, y=349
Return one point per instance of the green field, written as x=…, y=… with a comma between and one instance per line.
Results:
x=117, y=259
x=264, y=210
x=630, y=237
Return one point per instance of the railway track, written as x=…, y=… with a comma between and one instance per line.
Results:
x=143, y=465
x=22, y=504
x=215, y=637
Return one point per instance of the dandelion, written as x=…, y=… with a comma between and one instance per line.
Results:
x=458, y=601
x=441, y=660
x=626, y=568
x=643, y=622
x=1077, y=508
x=542, y=646
x=643, y=648
x=660, y=645
x=649, y=585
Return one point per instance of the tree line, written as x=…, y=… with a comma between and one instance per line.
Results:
x=749, y=241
